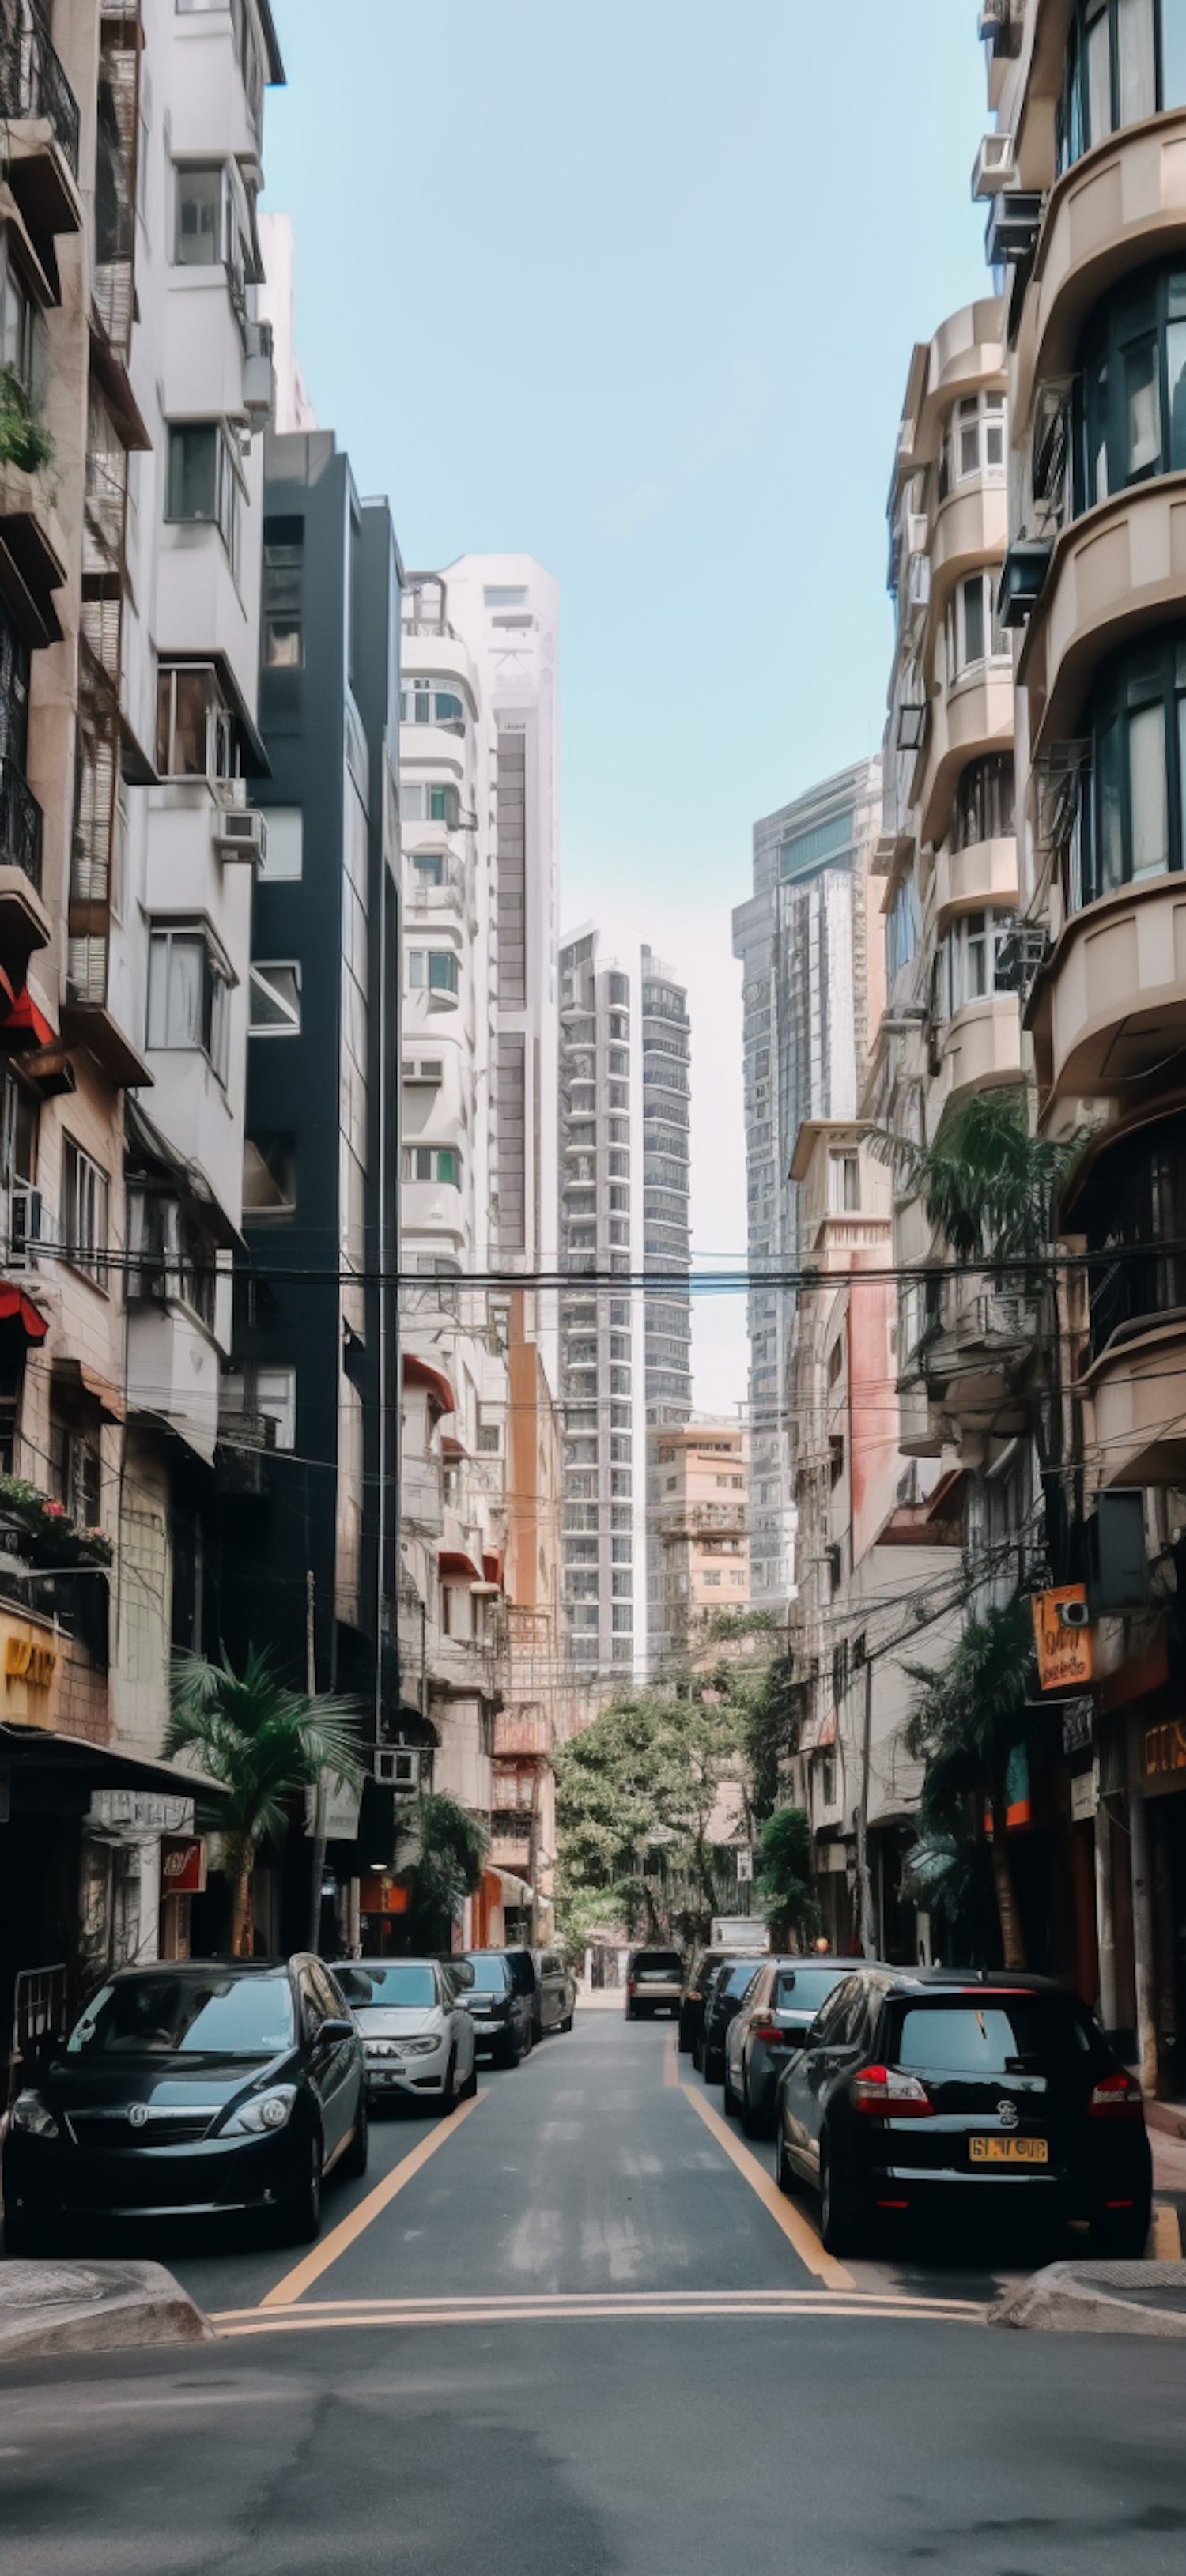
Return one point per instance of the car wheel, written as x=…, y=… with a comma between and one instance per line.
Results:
x=354, y=2162
x=470, y=2086
x=714, y=2065
x=698, y=2056
x=302, y=2217
x=1120, y=2235
x=448, y=2101
x=837, y=2226
x=685, y=2036
x=782, y=2169
x=566, y=2024
x=732, y=2104
x=509, y=2050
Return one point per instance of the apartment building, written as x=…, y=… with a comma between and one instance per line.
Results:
x=625, y=1106
x=478, y=798
x=1087, y=218
x=699, y=1473
x=801, y=939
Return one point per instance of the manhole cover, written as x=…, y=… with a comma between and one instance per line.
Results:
x=49, y=2285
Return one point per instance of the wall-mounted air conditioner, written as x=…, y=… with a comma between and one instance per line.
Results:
x=397, y=1766
x=995, y=166
x=243, y=835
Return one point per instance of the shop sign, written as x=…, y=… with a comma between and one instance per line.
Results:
x=183, y=1867
x=1165, y=1749
x=1085, y=1794
x=1078, y=1725
x=1064, y=1654
x=343, y=1806
x=141, y=1811
x=381, y=1896
x=30, y=1661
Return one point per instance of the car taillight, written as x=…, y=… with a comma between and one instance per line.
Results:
x=1116, y=2097
x=770, y=2033
x=887, y=2093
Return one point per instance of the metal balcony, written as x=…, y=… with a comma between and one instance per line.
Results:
x=21, y=823
x=32, y=81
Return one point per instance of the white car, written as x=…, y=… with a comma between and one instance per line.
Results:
x=418, y=2040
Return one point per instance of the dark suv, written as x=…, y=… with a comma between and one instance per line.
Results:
x=692, y=2000
x=501, y=1994
x=654, y=1983
x=936, y=2093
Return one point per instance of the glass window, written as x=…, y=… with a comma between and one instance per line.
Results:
x=275, y=1001
x=1173, y=53
x=18, y=323
x=269, y=1176
x=1131, y=822
x=86, y=1193
x=1147, y=789
x=406, y=1984
x=211, y=2013
x=196, y=731
x=1142, y=436
x=282, y=645
x=1001, y=2036
x=1135, y=61
x=200, y=232
x=286, y=833
x=433, y=968
x=971, y=967
x=984, y=801
x=187, y=993
x=202, y=484
x=1113, y=76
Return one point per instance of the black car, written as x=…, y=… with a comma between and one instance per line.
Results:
x=193, y=2089
x=936, y=2094
x=501, y=1995
x=654, y=1980
x=725, y=1996
x=773, y=2022
x=555, y=1993
x=695, y=1988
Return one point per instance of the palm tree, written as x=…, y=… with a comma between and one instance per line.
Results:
x=988, y=1184
x=263, y=1742
x=447, y=1846
x=967, y=1719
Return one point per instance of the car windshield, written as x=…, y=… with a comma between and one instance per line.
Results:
x=658, y=1968
x=217, y=2015
x=803, y=1990
x=990, y=2038
x=403, y=1983
x=491, y=1975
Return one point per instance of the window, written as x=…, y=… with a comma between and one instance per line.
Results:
x=268, y=1394
x=286, y=837
x=1125, y=60
x=983, y=801
x=18, y=324
x=269, y=1176
x=903, y=926
x=974, y=440
x=188, y=986
x=971, y=965
x=203, y=480
x=1130, y=415
x=433, y=1163
x=195, y=729
x=973, y=634
x=504, y=595
x=79, y=1474
x=201, y=227
x=282, y=643
x=433, y=969
x=425, y=700
x=275, y=1001
x=1131, y=821
x=85, y=1193
x=844, y=1184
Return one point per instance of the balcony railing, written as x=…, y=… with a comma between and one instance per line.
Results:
x=21, y=822
x=1135, y=1291
x=32, y=81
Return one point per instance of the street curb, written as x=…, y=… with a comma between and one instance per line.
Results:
x=1090, y=2298
x=48, y=2308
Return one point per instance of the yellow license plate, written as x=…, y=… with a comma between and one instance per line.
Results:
x=1009, y=2151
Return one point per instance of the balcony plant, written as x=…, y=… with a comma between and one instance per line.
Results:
x=24, y=440
x=39, y=1528
x=442, y=1852
x=967, y=1721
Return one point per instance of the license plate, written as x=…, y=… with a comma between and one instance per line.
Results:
x=1009, y=2151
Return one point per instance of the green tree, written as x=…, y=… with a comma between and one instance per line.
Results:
x=24, y=441
x=771, y=1706
x=988, y=1183
x=967, y=1719
x=447, y=1846
x=635, y=1797
x=783, y=1883
x=264, y=1743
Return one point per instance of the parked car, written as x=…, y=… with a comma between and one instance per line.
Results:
x=501, y=1998
x=199, y=2088
x=939, y=2094
x=555, y=1993
x=417, y=2037
x=654, y=1983
x=725, y=1996
x=772, y=2023
x=695, y=1987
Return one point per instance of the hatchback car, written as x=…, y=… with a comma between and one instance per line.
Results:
x=654, y=1983
x=771, y=2024
x=938, y=2095
x=725, y=1996
x=417, y=2037
x=500, y=1994
x=196, y=2089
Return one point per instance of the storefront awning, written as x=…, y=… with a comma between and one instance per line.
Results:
x=19, y=1310
x=453, y=1564
x=68, y=1768
x=23, y=1024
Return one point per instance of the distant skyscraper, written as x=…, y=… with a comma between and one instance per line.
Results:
x=624, y=1182
x=801, y=939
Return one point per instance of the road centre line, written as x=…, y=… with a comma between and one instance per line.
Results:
x=325, y=2317
x=794, y=2225
x=340, y=2238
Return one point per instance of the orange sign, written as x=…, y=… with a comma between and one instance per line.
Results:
x=1064, y=1654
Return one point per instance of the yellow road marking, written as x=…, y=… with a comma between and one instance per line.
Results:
x=794, y=2225
x=301, y=2278
x=332, y=2316
x=671, y=2057
x=1167, y=2236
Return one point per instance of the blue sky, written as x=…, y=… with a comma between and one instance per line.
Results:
x=634, y=287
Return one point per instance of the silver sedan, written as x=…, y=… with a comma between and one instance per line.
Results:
x=418, y=2040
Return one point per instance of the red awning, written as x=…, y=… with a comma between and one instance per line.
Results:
x=419, y=1372
x=492, y=1569
x=15, y=1307
x=452, y=1562
x=451, y=1448
x=24, y=1025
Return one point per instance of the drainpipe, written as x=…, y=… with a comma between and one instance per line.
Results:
x=1142, y=1938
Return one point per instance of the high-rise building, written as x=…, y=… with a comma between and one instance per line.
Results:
x=699, y=1473
x=624, y=1211
x=801, y=939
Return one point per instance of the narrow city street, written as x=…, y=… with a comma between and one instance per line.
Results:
x=576, y=2329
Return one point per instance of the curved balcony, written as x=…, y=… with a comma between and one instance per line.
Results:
x=964, y=356
x=435, y=1211
x=1116, y=571
x=1136, y=1405
x=982, y=1046
x=1124, y=203
x=971, y=529
x=1110, y=1004
x=972, y=718
x=983, y=876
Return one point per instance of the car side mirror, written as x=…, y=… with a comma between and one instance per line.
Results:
x=336, y=2029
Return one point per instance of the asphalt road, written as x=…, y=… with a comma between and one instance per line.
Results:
x=574, y=2330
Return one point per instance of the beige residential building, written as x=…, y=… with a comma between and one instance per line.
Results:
x=699, y=1478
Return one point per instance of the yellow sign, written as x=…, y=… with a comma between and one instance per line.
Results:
x=26, y=1661
x=31, y=1661
x=1165, y=1749
x=1064, y=1654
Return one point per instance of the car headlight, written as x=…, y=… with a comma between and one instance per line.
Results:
x=262, y=2112
x=421, y=2047
x=32, y=2115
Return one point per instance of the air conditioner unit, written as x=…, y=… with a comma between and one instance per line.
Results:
x=1014, y=223
x=397, y=1766
x=243, y=836
x=26, y=1226
x=231, y=794
x=995, y=166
